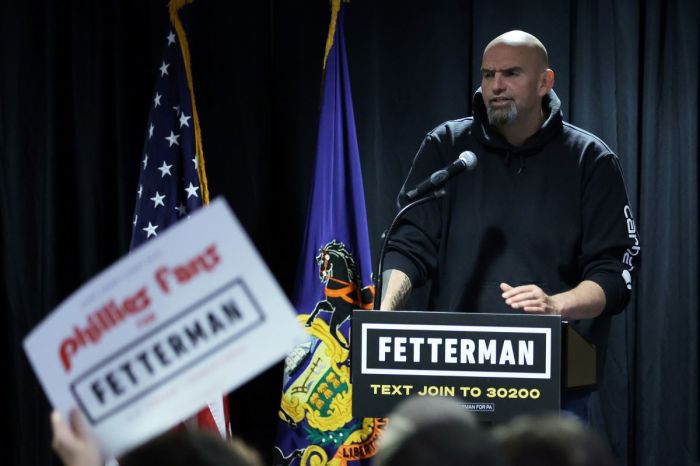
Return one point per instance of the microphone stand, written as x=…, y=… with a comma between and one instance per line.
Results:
x=378, y=287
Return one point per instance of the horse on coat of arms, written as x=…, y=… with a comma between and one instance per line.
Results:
x=343, y=290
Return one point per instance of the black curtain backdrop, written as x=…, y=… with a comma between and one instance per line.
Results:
x=76, y=79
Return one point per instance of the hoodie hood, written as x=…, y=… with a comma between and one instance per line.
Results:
x=489, y=135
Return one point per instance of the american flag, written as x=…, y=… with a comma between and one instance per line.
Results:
x=172, y=183
x=169, y=187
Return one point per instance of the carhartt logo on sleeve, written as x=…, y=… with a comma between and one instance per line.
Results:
x=633, y=250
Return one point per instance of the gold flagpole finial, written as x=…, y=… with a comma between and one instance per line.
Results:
x=335, y=8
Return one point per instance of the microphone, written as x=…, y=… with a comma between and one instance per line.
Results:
x=465, y=161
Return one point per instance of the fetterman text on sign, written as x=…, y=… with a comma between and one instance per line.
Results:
x=499, y=364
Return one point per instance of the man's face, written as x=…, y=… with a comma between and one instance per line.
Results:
x=512, y=84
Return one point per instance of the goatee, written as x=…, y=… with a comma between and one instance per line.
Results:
x=501, y=116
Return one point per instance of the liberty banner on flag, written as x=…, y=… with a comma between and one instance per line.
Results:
x=334, y=277
x=173, y=181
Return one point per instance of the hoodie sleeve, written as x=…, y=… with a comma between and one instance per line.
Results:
x=610, y=250
x=413, y=247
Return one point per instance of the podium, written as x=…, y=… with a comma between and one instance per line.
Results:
x=497, y=365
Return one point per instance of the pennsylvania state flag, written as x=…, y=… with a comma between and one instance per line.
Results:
x=316, y=424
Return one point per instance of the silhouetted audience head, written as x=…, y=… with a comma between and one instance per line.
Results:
x=187, y=448
x=75, y=445
x=551, y=440
x=432, y=431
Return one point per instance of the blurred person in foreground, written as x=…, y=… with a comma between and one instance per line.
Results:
x=432, y=431
x=74, y=444
x=551, y=440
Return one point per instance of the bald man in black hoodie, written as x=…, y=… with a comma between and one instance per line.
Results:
x=542, y=225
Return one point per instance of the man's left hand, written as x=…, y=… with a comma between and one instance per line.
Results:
x=530, y=298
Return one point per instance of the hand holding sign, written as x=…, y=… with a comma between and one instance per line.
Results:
x=73, y=442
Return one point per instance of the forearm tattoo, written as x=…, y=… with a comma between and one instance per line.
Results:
x=396, y=290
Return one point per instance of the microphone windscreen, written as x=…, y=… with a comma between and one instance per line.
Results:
x=469, y=159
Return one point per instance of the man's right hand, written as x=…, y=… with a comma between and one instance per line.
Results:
x=397, y=287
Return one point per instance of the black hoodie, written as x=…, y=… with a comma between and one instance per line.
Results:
x=551, y=212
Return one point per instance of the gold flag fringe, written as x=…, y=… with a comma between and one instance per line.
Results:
x=174, y=6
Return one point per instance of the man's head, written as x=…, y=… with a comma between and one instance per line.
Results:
x=515, y=76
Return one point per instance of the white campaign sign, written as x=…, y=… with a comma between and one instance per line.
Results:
x=182, y=319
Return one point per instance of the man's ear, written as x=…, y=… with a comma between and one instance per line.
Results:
x=546, y=82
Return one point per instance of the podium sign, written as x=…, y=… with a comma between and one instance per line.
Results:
x=499, y=365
